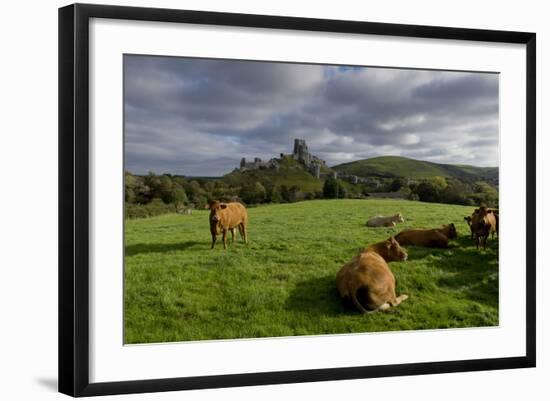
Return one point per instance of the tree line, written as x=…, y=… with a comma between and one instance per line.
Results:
x=153, y=194
x=449, y=190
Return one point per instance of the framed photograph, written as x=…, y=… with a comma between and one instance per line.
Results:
x=252, y=199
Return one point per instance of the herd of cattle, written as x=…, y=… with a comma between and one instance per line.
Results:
x=368, y=275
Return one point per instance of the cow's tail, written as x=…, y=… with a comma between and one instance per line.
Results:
x=353, y=295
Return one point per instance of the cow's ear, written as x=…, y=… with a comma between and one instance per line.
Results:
x=223, y=205
x=466, y=218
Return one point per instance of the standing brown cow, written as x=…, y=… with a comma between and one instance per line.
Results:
x=468, y=220
x=226, y=217
x=369, y=271
x=484, y=222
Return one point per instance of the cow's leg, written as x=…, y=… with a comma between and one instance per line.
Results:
x=385, y=306
x=213, y=241
x=224, y=235
x=245, y=233
x=233, y=235
x=399, y=299
x=241, y=231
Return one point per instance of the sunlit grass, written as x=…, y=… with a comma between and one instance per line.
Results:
x=282, y=283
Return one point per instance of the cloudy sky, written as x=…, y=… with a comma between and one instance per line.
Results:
x=198, y=117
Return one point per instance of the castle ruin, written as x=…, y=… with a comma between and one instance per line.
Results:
x=300, y=153
x=258, y=164
x=311, y=162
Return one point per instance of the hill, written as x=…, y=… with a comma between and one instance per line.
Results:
x=289, y=173
x=397, y=166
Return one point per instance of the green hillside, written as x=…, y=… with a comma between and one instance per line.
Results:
x=290, y=173
x=396, y=166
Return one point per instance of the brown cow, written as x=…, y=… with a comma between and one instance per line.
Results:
x=433, y=237
x=370, y=273
x=468, y=220
x=226, y=217
x=484, y=222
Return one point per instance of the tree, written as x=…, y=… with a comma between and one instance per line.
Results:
x=273, y=194
x=456, y=192
x=130, y=183
x=427, y=192
x=178, y=195
x=396, y=185
x=165, y=189
x=253, y=193
x=439, y=183
x=485, y=193
x=330, y=188
x=295, y=194
x=153, y=182
x=193, y=189
x=285, y=193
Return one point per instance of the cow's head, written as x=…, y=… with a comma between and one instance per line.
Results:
x=399, y=218
x=395, y=252
x=452, y=231
x=468, y=220
x=482, y=225
x=215, y=207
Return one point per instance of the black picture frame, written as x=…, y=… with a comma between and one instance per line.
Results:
x=74, y=198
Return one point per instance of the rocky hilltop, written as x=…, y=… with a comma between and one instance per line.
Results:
x=313, y=164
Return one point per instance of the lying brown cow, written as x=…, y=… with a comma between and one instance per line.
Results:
x=484, y=222
x=433, y=237
x=370, y=273
x=385, y=221
x=226, y=217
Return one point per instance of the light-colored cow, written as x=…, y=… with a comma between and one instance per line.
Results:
x=385, y=221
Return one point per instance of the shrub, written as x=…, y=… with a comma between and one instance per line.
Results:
x=155, y=208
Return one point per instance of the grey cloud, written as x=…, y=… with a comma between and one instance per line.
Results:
x=199, y=117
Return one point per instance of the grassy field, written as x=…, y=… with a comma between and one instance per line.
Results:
x=282, y=283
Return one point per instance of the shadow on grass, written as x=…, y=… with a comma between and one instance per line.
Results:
x=135, y=249
x=316, y=296
x=472, y=273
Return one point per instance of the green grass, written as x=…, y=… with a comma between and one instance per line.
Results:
x=396, y=166
x=283, y=282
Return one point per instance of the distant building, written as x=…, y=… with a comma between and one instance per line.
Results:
x=313, y=164
x=301, y=152
x=258, y=164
